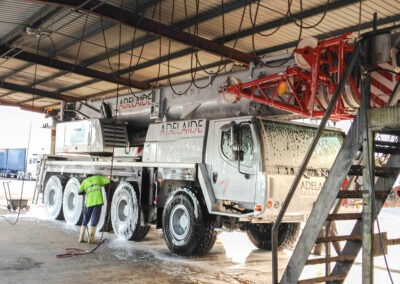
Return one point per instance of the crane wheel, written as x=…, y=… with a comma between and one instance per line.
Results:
x=72, y=202
x=53, y=197
x=260, y=235
x=188, y=228
x=125, y=213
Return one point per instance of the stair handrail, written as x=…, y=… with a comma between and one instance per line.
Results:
x=306, y=159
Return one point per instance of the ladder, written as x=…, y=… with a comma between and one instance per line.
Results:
x=386, y=121
x=39, y=186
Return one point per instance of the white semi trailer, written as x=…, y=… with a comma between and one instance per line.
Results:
x=188, y=163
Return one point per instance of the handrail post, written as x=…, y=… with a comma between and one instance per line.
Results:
x=306, y=159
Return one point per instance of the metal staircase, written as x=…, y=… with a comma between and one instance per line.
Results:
x=346, y=164
x=356, y=158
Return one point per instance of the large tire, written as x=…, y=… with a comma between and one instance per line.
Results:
x=125, y=214
x=53, y=197
x=72, y=202
x=187, y=232
x=260, y=235
x=208, y=239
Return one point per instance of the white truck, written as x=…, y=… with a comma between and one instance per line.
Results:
x=189, y=163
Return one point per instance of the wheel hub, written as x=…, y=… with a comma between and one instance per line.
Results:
x=123, y=210
x=71, y=201
x=52, y=194
x=183, y=221
x=179, y=222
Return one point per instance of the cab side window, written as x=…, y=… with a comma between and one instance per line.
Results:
x=247, y=145
x=226, y=144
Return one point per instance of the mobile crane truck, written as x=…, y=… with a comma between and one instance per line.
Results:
x=189, y=163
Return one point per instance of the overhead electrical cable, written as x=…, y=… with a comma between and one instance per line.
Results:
x=80, y=44
x=298, y=39
x=159, y=47
x=254, y=21
x=301, y=24
x=195, y=53
x=105, y=44
x=169, y=62
x=359, y=18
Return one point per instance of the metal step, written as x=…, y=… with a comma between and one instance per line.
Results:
x=344, y=216
x=338, y=238
x=345, y=257
x=386, y=147
x=385, y=120
x=358, y=194
x=357, y=170
x=381, y=185
x=323, y=279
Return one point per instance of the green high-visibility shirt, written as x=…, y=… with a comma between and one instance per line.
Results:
x=92, y=187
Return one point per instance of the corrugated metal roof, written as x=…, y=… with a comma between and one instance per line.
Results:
x=14, y=13
x=58, y=33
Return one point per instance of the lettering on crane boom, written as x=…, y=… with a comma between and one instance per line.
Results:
x=134, y=101
x=189, y=127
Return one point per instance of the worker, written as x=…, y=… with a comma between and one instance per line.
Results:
x=91, y=187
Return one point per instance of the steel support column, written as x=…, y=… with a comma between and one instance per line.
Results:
x=368, y=184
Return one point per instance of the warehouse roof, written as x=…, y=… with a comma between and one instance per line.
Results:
x=85, y=50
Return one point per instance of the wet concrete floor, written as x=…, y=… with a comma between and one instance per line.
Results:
x=28, y=253
x=29, y=249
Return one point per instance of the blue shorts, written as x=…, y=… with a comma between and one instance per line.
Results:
x=93, y=214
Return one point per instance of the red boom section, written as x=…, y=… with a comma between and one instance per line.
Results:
x=308, y=90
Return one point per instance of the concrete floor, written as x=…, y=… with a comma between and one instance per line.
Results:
x=28, y=254
x=29, y=249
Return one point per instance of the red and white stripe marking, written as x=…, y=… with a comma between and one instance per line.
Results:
x=382, y=85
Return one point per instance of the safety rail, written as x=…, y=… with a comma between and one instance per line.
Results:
x=306, y=159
